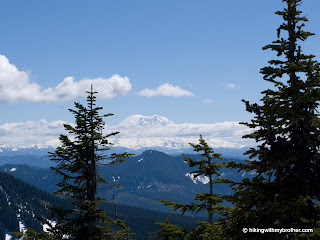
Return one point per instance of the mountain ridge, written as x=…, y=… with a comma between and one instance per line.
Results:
x=144, y=179
x=22, y=202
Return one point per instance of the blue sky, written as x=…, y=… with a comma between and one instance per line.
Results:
x=208, y=50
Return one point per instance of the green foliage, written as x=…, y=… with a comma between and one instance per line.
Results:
x=170, y=231
x=209, y=202
x=78, y=162
x=31, y=234
x=285, y=191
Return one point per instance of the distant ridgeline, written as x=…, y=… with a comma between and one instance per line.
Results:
x=37, y=156
x=20, y=204
x=143, y=179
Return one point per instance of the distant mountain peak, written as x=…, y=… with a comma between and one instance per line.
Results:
x=144, y=121
x=138, y=133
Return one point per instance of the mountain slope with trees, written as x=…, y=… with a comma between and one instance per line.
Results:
x=17, y=197
x=21, y=202
x=143, y=179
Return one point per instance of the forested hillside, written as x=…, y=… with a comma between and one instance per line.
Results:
x=21, y=202
x=143, y=179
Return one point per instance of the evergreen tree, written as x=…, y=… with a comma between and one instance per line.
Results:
x=210, y=202
x=78, y=162
x=285, y=191
x=31, y=234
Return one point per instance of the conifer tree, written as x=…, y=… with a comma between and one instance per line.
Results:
x=78, y=162
x=285, y=192
x=209, y=202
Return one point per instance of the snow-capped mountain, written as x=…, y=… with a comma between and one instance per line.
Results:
x=137, y=133
x=144, y=121
x=170, y=144
x=19, y=150
x=157, y=132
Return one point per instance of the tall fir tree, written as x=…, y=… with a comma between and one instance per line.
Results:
x=285, y=192
x=208, y=167
x=78, y=162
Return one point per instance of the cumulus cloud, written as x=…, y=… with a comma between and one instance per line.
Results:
x=231, y=85
x=136, y=132
x=167, y=90
x=31, y=133
x=15, y=86
x=107, y=88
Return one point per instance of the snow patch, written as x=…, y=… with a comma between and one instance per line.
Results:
x=116, y=179
x=191, y=177
x=46, y=227
x=6, y=194
x=13, y=169
x=22, y=227
x=201, y=179
x=141, y=159
x=8, y=237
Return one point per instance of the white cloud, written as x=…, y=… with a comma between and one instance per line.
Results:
x=222, y=134
x=207, y=101
x=167, y=90
x=31, y=133
x=231, y=85
x=136, y=134
x=222, y=129
x=15, y=86
x=107, y=88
